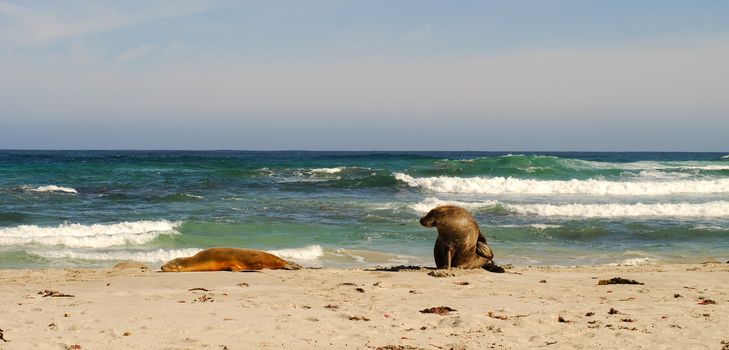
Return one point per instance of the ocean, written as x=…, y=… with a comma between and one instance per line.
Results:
x=357, y=209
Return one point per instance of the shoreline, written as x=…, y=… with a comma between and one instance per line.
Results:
x=526, y=307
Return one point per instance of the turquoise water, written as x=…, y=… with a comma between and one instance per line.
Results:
x=342, y=209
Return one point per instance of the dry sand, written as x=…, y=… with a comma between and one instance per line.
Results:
x=533, y=307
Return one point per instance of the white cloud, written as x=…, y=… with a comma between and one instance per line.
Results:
x=46, y=22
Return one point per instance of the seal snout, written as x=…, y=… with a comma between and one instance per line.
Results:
x=171, y=266
x=427, y=221
x=167, y=268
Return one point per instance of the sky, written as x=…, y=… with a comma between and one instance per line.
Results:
x=541, y=75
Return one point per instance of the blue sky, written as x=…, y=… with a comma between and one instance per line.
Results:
x=365, y=75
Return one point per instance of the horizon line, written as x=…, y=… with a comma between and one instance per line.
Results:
x=330, y=150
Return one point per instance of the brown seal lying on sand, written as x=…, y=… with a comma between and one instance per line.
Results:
x=228, y=259
x=460, y=242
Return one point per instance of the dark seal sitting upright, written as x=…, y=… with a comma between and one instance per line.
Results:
x=460, y=242
x=228, y=259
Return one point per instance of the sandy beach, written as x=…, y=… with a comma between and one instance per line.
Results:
x=677, y=306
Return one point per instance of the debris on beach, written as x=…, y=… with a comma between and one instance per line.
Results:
x=398, y=268
x=73, y=347
x=2, y=336
x=198, y=288
x=204, y=298
x=491, y=267
x=440, y=310
x=441, y=273
x=358, y=318
x=677, y=295
x=589, y=314
x=464, y=283
x=613, y=311
x=594, y=324
x=331, y=307
x=361, y=290
x=54, y=294
x=242, y=284
x=706, y=302
x=498, y=317
x=399, y=347
x=347, y=284
x=543, y=281
x=561, y=319
x=618, y=280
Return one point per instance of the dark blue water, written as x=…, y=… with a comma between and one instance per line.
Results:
x=94, y=208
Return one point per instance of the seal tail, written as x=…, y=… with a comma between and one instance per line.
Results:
x=291, y=266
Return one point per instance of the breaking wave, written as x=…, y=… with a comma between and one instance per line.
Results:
x=87, y=236
x=53, y=188
x=158, y=255
x=719, y=209
x=311, y=252
x=501, y=185
x=429, y=203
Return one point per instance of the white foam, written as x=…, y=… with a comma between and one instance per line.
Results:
x=327, y=170
x=431, y=202
x=655, y=174
x=725, y=157
x=87, y=236
x=311, y=252
x=710, y=228
x=53, y=188
x=680, y=210
x=359, y=256
x=704, y=167
x=544, y=226
x=635, y=262
x=501, y=185
x=192, y=196
x=159, y=255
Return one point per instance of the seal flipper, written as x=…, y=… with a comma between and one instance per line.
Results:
x=484, y=250
x=291, y=266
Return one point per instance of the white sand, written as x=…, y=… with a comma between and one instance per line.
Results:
x=134, y=309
